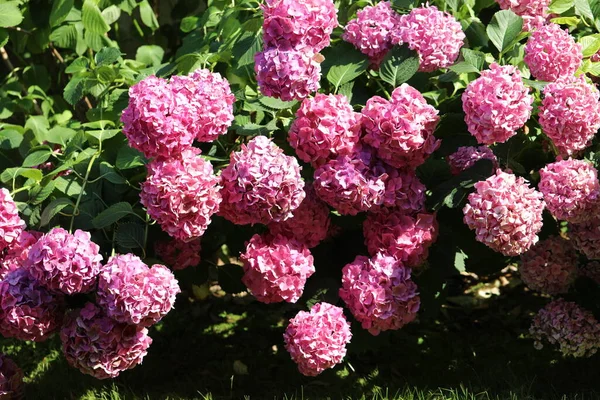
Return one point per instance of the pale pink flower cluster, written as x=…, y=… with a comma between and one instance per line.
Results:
x=550, y=266
x=551, y=53
x=496, y=104
x=325, y=126
x=466, y=156
x=11, y=224
x=182, y=194
x=571, y=190
x=406, y=238
x=178, y=254
x=435, y=35
x=15, y=256
x=573, y=329
x=99, y=346
x=317, y=340
x=261, y=184
x=132, y=293
x=28, y=311
x=276, y=268
x=570, y=114
x=11, y=379
x=401, y=129
x=534, y=12
x=591, y=270
x=65, y=262
x=310, y=223
x=505, y=213
x=403, y=191
x=379, y=293
x=586, y=237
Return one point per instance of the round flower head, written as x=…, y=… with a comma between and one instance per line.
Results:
x=15, y=255
x=310, y=223
x=586, y=237
x=435, y=35
x=563, y=323
x=317, y=340
x=99, y=346
x=11, y=224
x=28, y=311
x=570, y=114
x=371, y=31
x=276, y=268
x=551, y=53
x=208, y=111
x=550, y=266
x=401, y=129
x=465, y=157
x=505, y=213
x=154, y=122
x=64, y=262
x=496, y=104
x=404, y=237
x=182, y=194
x=178, y=254
x=290, y=74
x=534, y=12
x=11, y=379
x=131, y=293
x=403, y=191
x=571, y=189
x=297, y=24
x=591, y=270
x=379, y=293
x=261, y=184
x=325, y=126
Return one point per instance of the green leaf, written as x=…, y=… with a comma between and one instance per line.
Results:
x=150, y=55
x=230, y=278
x=343, y=64
x=459, y=261
x=276, y=103
x=59, y=12
x=103, y=134
x=130, y=235
x=111, y=14
x=3, y=37
x=590, y=44
x=37, y=158
x=10, y=139
x=399, y=65
x=60, y=135
x=504, y=29
x=55, y=206
x=571, y=21
x=346, y=90
x=68, y=185
x=80, y=64
x=9, y=174
x=560, y=6
x=39, y=193
x=92, y=18
x=64, y=36
x=10, y=15
x=147, y=15
x=38, y=124
x=402, y=4
x=109, y=173
x=128, y=158
x=188, y=24
x=106, y=56
x=583, y=8
x=112, y=214
x=245, y=49
x=73, y=91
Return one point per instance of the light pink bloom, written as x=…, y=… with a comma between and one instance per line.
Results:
x=534, y=12
x=11, y=224
x=465, y=157
x=15, y=256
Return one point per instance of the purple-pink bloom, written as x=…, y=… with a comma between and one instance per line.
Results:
x=178, y=254
x=380, y=293
x=11, y=379
x=15, y=256
x=586, y=237
x=317, y=340
x=99, y=346
x=534, y=12
x=11, y=224
x=403, y=191
x=465, y=157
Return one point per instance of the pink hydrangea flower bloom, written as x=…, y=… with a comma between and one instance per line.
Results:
x=534, y=12
x=261, y=184
x=310, y=223
x=290, y=74
x=132, y=293
x=371, y=30
x=550, y=266
x=15, y=255
x=496, y=104
x=401, y=129
x=551, y=53
x=404, y=237
x=297, y=24
x=11, y=224
x=276, y=268
x=436, y=35
x=403, y=191
x=563, y=323
x=99, y=346
x=379, y=293
x=64, y=262
x=208, y=111
x=591, y=270
x=571, y=189
x=179, y=254
x=586, y=237
x=325, y=126
x=11, y=379
x=570, y=114
x=28, y=311
x=505, y=213
x=182, y=194
x=465, y=157
x=317, y=340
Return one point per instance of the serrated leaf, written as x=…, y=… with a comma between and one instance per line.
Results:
x=459, y=261
x=346, y=90
x=103, y=134
x=37, y=158
x=148, y=16
x=10, y=15
x=92, y=18
x=150, y=55
x=106, y=56
x=55, y=206
x=64, y=36
x=504, y=28
x=560, y=6
x=80, y=64
x=583, y=8
x=346, y=66
x=9, y=174
x=590, y=44
x=245, y=49
x=73, y=91
x=40, y=193
x=463, y=67
x=112, y=214
x=276, y=103
x=130, y=235
x=128, y=158
x=230, y=278
x=399, y=65
x=59, y=12
x=68, y=185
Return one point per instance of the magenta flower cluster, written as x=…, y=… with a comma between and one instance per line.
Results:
x=15, y=256
x=586, y=237
x=11, y=224
x=403, y=191
x=534, y=12
x=178, y=254
x=466, y=156
x=11, y=379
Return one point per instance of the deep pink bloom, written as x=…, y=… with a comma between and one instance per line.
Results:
x=465, y=157
x=586, y=237
x=11, y=379
x=28, y=311
x=403, y=191
x=591, y=270
x=11, y=224
x=534, y=12
x=182, y=194
x=573, y=329
x=571, y=190
x=325, y=126
x=379, y=293
x=496, y=104
x=260, y=184
x=178, y=254
x=64, y=262
x=317, y=340
x=15, y=255
x=99, y=346
x=401, y=129
x=505, y=213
